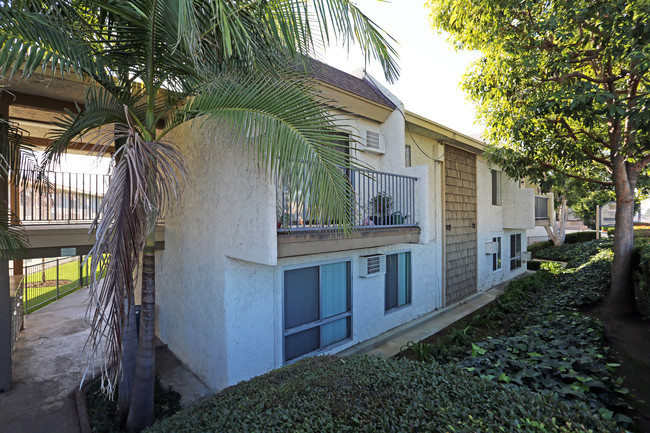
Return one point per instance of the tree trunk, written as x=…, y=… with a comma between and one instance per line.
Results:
x=620, y=300
x=141, y=412
x=557, y=233
x=129, y=354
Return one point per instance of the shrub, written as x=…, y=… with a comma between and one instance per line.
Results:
x=533, y=265
x=574, y=254
x=364, y=394
x=539, y=246
x=577, y=237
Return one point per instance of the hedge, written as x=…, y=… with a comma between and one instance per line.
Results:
x=639, y=232
x=369, y=394
x=534, y=248
x=577, y=237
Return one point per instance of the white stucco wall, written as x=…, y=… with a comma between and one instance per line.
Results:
x=227, y=211
x=517, y=209
x=518, y=205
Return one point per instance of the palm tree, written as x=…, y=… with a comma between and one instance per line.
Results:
x=155, y=64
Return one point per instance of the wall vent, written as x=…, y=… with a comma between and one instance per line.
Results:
x=372, y=265
x=374, y=142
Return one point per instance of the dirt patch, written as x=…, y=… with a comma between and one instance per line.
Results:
x=629, y=337
x=47, y=283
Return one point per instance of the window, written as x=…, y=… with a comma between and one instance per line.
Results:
x=496, y=255
x=317, y=310
x=515, y=251
x=496, y=188
x=398, y=280
x=407, y=156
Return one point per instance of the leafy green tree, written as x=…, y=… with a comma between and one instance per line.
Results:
x=565, y=84
x=155, y=64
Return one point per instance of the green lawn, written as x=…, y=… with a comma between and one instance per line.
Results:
x=69, y=275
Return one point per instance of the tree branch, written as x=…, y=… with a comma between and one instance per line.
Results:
x=575, y=176
x=573, y=135
x=610, y=79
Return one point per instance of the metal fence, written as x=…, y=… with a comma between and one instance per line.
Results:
x=50, y=280
x=63, y=197
x=380, y=199
x=17, y=312
x=541, y=208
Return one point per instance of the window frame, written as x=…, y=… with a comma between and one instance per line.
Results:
x=513, y=254
x=410, y=282
x=496, y=188
x=320, y=322
x=497, y=257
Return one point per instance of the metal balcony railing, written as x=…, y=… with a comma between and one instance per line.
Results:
x=541, y=208
x=380, y=199
x=64, y=198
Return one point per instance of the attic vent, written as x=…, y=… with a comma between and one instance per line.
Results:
x=372, y=265
x=374, y=142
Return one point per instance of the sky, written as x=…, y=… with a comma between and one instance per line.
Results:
x=431, y=70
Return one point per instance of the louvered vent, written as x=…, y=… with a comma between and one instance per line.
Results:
x=374, y=142
x=372, y=139
x=372, y=265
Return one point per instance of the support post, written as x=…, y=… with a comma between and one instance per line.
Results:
x=597, y=222
x=5, y=295
x=57, y=278
x=15, y=219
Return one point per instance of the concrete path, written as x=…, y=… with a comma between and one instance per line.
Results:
x=390, y=343
x=47, y=367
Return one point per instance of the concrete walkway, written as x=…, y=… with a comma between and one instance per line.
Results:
x=48, y=366
x=390, y=343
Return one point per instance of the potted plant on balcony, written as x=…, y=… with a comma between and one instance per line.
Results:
x=380, y=207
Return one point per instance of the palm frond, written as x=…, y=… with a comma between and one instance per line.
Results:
x=12, y=237
x=146, y=180
x=285, y=126
x=37, y=38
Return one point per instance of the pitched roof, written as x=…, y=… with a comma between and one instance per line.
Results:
x=359, y=86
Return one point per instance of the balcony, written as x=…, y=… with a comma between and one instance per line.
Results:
x=62, y=198
x=56, y=213
x=382, y=212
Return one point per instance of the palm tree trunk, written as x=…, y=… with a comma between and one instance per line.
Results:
x=129, y=353
x=141, y=411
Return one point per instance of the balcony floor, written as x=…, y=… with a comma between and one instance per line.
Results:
x=305, y=242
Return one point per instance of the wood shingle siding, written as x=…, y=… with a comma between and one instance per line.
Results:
x=460, y=224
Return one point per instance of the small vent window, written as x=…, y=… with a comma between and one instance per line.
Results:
x=372, y=265
x=372, y=140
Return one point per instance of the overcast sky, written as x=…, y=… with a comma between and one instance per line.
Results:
x=431, y=70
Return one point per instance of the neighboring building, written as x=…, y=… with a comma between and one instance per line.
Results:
x=249, y=281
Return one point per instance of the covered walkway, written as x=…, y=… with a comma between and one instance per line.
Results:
x=48, y=366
